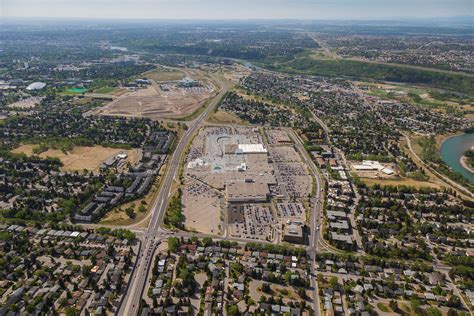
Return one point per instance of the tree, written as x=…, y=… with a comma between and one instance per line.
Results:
x=433, y=311
x=250, y=301
x=207, y=241
x=333, y=281
x=454, y=301
x=266, y=288
x=393, y=305
x=233, y=310
x=130, y=212
x=452, y=312
x=320, y=277
x=287, y=277
x=71, y=311
x=173, y=243
x=415, y=304
x=302, y=293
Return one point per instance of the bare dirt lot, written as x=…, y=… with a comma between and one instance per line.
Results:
x=159, y=102
x=26, y=103
x=202, y=208
x=80, y=158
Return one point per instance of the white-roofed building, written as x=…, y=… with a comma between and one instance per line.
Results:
x=251, y=149
x=388, y=171
x=36, y=86
x=198, y=162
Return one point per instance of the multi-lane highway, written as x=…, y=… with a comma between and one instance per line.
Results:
x=153, y=235
x=315, y=218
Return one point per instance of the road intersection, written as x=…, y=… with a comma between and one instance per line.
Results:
x=154, y=234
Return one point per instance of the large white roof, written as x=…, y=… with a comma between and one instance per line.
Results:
x=252, y=148
x=36, y=86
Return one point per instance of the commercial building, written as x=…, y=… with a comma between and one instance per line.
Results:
x=294, y=232
x=251, y=149
x=188, y=83
x=246, y=191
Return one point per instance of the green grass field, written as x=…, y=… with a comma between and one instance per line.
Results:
x=76, y=90
x=384, y=308
x=105, y=90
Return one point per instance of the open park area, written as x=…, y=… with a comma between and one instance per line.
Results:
x=80, y=158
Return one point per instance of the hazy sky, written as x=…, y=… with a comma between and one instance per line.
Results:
x=236, y=9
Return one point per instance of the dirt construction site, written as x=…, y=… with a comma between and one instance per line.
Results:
x=235, y=182
x=163, y=99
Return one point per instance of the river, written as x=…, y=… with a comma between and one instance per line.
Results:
x=453, y=148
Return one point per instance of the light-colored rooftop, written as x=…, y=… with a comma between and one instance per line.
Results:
x=239, y=191
x=36, y=86
x=252, y=148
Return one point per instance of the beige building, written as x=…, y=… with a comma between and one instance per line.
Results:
x=238, y=191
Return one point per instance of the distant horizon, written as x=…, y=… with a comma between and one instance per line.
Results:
x=453, y=18
x=241, y=19
x=241, y=10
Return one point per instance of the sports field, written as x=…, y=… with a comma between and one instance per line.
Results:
x=76, y=90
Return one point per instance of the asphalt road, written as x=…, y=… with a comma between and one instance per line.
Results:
x=154, y=234
x=315, y=218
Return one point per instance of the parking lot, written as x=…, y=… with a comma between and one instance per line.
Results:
x=291, y=211
x=254, y=221
x=201, y=207
x=293, y=177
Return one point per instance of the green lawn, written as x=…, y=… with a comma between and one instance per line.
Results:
x=384, y=308
x=75, y=91
x=105, y=90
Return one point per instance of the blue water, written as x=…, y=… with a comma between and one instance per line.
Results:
x=453, y=148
